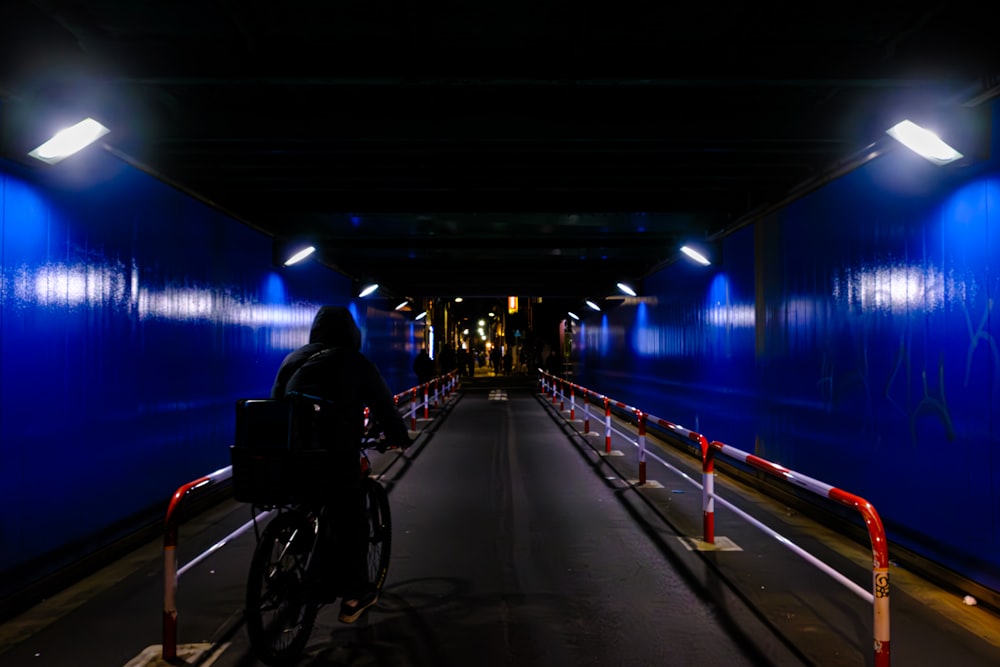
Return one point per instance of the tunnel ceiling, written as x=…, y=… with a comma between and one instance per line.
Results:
x=486, y=148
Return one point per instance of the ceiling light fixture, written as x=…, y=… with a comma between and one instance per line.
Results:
x=923, y=142
x=300, y=255
x=572, y=314
x=368, y=290
x=626, y=289
x=695, y=255
x=593, y=306
x=403, y=305
x=68, y=141
x=421, y=316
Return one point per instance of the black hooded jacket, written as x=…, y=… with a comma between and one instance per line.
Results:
x=332, y=367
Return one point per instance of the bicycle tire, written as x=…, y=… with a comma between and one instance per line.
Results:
x=379, y=532
x=280, y=612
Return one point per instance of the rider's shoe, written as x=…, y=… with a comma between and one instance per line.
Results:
x=352, y=612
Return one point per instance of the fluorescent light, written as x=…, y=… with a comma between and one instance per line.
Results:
x=923, y=142
x=593, y=306
x=300, y=255
x=458, y=299
x=69, y=141
x=421, y=316
x=695, y=255
x=572, y=314
x=403, y=305
x=626, y=289
x=368, y=290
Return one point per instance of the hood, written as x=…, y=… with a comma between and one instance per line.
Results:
x=334, y=326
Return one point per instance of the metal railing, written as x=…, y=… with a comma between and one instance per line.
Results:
x=878, y=597
x=170, y=538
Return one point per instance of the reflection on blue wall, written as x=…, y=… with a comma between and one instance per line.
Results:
x=131, y=319
x=852, y=337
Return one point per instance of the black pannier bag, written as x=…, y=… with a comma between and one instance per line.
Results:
x=275, y=457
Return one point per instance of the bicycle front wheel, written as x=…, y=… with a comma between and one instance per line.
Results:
x=280, y=612
x=379, y=532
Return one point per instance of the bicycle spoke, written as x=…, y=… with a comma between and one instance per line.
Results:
x=279, y=611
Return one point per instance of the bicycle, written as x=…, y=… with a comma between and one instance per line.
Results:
x=282, y=598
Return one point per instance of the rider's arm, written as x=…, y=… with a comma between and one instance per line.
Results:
x=377, y=396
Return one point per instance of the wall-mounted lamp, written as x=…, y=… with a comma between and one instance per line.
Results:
x=924, y=143
x=299, y=255
x=626, y=289
x=695, y=255
x=68, y=141
x=368, y=289
x=593, y=306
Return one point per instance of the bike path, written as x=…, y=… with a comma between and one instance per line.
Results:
x=508, y=549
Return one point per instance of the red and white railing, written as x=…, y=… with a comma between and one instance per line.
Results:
x=170, y=571
x=878, y=597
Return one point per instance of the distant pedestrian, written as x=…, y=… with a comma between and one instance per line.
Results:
x=495, y=360
x=554, y=364
x=423, y=366
x=447, y=359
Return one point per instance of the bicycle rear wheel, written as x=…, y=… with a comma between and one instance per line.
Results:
x=280, y=612
x=379, y=532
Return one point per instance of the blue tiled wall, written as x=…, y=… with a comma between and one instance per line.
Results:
x=132, y=318
x=852, y=337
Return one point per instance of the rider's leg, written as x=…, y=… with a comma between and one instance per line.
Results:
x=355, y=544
x=358, y=593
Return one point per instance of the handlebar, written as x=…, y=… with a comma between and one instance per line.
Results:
x=377, y=442
x=371, y=424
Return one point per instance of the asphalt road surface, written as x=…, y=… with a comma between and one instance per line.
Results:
x=511, y=548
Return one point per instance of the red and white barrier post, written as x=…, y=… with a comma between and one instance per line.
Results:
x=641, y=417
x=707, y=490
x=572, y=402
x=413, y=411
x=170, y=570
x=426, y=402
x=607, y=425
x=880, y=570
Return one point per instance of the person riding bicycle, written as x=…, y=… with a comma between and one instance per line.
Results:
x=331, y=367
